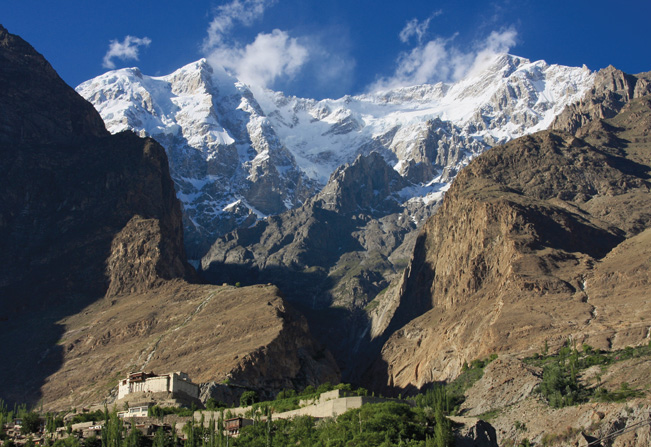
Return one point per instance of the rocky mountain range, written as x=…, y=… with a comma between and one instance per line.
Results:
x=239, y=153
x=331, y=243
x=389, y=273
x=94, y=281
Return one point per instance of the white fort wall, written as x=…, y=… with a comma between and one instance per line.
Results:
x=175, y=383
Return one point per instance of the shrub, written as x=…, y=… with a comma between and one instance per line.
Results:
x=213, y=404
x=248, y=398
x=31, y=423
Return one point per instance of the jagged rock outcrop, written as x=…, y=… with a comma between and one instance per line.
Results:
x=511, y=259
x=314, y=238
x=478, y=434
x=92, y=263
x=612, y=90
x=334, y=251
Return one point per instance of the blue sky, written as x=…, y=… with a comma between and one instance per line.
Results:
x=329, y=48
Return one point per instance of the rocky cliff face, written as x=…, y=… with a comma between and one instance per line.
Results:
x=70, y=188
x=36, y=86
x=90, y=226
x=612, y=90
x=314, y=238
x=330, y=257
x=524, y=248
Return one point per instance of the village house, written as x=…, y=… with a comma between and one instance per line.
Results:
x=234, y=425
x=136, y=411
x=86, y=429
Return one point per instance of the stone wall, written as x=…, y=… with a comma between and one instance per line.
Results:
x=180, y=383
x=330, y=407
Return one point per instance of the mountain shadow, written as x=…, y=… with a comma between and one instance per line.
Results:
x=71, y=192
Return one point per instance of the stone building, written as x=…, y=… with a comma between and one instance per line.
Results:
x=176, y=383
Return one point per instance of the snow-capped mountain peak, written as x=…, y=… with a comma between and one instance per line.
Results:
x=238, y=153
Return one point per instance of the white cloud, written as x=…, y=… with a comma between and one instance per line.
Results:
x=416, y=28
x=227, y=16
x=439, y=60
x=267, y=58
x=496, y=43
x=277, y=59
x=127, y=49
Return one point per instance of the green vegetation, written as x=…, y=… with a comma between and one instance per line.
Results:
x=31, y=423
x=92, y=441
x=287, y=400
x=70, y=441
x=469, y=375
x=160, y=412
x=112, y=431
x=621, y=395
x=162, y=439
x=52, y=422
x=213, y=404
x=7, y=415
x=455, y=390
x=373, y=303
x=248, y=398
x=436, y=403
x=384, y=424
x=561, y=386
x=98, y=415
x=197, y=435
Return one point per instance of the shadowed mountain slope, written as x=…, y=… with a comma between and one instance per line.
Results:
x=92, y=264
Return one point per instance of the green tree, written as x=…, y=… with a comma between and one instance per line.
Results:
x=113, y=430
x=193, y=433
x=31, y=423
x=286, y=394
x=213, y=404
x=248, y=398
x=162, y=439
x=308, y=390
x=133, y=439
x=442, y=430
x=92, y=441
x=70, y=441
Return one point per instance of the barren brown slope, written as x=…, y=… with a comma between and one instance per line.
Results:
x=245, y=336
x=92, y=265
x=521, y=252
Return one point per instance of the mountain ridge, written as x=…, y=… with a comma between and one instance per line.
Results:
x=275, y=151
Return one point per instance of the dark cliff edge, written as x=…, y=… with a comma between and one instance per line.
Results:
x=93, y=272
x=79, y=206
